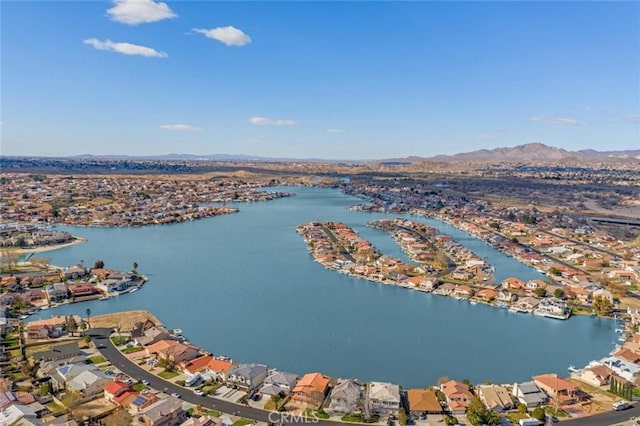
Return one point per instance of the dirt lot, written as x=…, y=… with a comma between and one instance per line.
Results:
x=126, y=320
x=600, y=399
x=97, y=408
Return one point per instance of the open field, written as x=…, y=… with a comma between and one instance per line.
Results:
x=126, y=320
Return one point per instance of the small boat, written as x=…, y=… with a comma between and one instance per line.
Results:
x=134, y=289
x=573, y=369
x=104, y=297
x=473, y=302
x=177, y=331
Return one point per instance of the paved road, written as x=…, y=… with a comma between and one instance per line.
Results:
x=604, y=419
x=101, y=339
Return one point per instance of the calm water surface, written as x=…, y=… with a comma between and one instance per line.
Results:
x=244, y=285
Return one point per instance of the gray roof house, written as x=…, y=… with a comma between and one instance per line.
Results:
x=152, y=335
x=384, y=398
x=247, y=376
x=63, y=374
x=89, y=382
x=529, y=393
x=278, y=381
x=345, y=396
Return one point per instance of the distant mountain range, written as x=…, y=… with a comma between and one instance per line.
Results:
x=531, y=152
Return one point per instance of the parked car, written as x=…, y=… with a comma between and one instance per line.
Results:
x=198, y=392
x=175, y=395
x=145, y=382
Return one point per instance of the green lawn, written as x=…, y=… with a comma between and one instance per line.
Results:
x=98, y=359
x=12, y=343
x=166, y=374
x=353, y=418
x=214, y=413
x=516, y=417
x=55, y=408
x=139, y=387
x=132, y=349
x=210, y=389
x=120, y=340
x=242, y=422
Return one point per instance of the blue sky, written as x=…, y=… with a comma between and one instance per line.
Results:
x=334, y=80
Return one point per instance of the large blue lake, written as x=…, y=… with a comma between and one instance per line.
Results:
x=244, y=285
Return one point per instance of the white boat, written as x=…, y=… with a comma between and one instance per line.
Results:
x=134, y=289
x=473, y=302
x=104, y=297
x=573, y=369
x=177, y=331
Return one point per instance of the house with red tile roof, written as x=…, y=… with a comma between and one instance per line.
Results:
x=557, y=387
x=513, y=283
x=310, y=390
x=458, y=396
x=219, y=367
x=114, y=389
x=172, y=350
x=195, y=365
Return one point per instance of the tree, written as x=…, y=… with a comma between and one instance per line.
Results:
x=558, y=293
x=442, y=380
x=602, y=306
x=522, y=408
x=479, y=414
x=134, y=267
x=72, y=325
x=99, y=264
x=8, y=258
x=540, y=292
x=495, y=225
x=88, y=312
x=538, y=413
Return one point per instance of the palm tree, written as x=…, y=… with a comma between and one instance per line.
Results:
x=88, y=311
x=135, y=267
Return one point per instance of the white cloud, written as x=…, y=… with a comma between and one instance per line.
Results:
x=180, y=127
x=561, y=121
x=134, y=12
x=333, y=130
x=261, y=121
x=630, y=117
x=125, y=48
x=230, y=36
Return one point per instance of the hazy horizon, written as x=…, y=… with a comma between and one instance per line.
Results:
x=334, y=80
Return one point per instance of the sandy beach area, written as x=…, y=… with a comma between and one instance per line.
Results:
x=76, y=240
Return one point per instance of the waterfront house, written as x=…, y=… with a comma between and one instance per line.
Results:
x=64, y=351
x=195, y=365
x=487, y=294
x=557, y=388
x=462, y=291
x=599, y=375
x=423, y=401
x=172, y=350
x=506, y=296
x=56, y=292
x=495, y=397
x=529, y=394
x=112, y=285
x=384, y=398
x=217, y=369
x=247, y=376
x=278, y=383
x=151, y=335
x=623, y=368
x=458, y=396
x=513, y=283
x=527, y=304
x=345, y=396
x=310, y=389
x=140, y=327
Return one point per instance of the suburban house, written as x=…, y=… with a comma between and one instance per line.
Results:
x=67, y=372
x=529, y=394
x=310, y=389
x=202, y=421
x=423, y=401
x=278, y=382
x=599, y=375
x=195, y=365
x=111, y=285
x=487, y=294
x=217, y=368
x=247, y=376
x=557, y=387
x=56, y=292
x=384, y=398
x=345, y=396
x=495, y=397
x=526, y=303
x=114, y=389
x=172, y=350
x=458, y=396
x=89, y=382
x=59, y=352
x=163, y=412
x=151, y=335
x=140, y=327
x=48, y=327
x=513, y=283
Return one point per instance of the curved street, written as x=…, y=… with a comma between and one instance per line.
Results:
x=100, y=337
